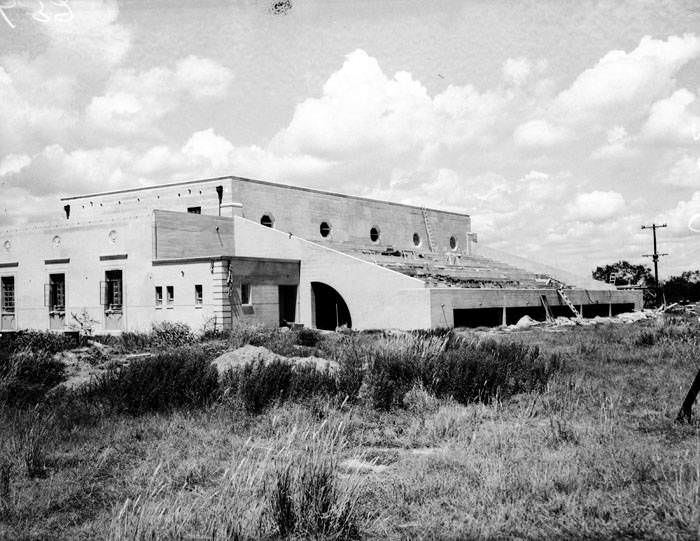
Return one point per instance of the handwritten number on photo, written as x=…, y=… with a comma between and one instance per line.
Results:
x=3, y=7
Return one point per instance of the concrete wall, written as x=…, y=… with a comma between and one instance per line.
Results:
x=301, y=212
x=376, y=297
x=175, y=196
x=444, y=300
x=83, y=253
x=293, y=209
x=179, y=234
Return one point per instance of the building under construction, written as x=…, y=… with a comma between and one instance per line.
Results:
x=218, y=251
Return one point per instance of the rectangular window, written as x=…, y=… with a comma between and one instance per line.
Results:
x=57, y=292
x=194, y=210
x=159, y=295
x=245, y=294
x=198, y=295
x=112, y=291
x=7, y=292
x=170, y=292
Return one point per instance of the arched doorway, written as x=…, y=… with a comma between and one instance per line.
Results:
x=329, y=308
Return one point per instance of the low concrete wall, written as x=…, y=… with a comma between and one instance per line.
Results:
x=443, y=301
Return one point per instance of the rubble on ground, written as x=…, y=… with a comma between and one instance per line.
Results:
x=526, y=322
x=559, y=323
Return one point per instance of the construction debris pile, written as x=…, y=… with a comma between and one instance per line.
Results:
x=526, y=322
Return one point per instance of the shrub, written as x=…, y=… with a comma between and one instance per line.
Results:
x=645, y=338
x=258, y=384
x=418, y=400
x=308, y=381
x=391, y=374
x=25, y=377
x=40, y=341
x=172, y=334
x=308, y=337
x=176, y=378
x=396, y=364
x=486, y=370
x=133, y=341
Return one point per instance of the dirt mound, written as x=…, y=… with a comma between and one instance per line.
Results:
x=248, y=354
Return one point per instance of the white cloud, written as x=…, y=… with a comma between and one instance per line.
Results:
x=202, y=77
x=596, y=206
x=684, y=219
x=133, y=101
x=362, y=111
x=685, y=173
x=539, y=133
x=517, y=70
x=622, y=83
x=92, y=34
x=13, y=163
x=618, y=145
x=206, y=145
x=671, y=120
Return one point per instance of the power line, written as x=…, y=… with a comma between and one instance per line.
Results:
x=656, y=255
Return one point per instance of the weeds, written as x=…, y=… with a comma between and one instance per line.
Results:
x=26, y=377
x=178, y=378
x=6, y=497
x=307, y=499
x=31, y=435
x=40, y=341
x=258, y=384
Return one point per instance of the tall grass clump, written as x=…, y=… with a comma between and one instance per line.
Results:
x=306, y=498
x=40, y=341
x=258, y=385
x=450, y=367
x=397, y=362
x=353, y=360
x=26, y=377
x=32, y=434
x=291, y=489
x=176, y=378
x=482, y=371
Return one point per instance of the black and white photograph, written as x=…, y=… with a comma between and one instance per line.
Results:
x=349, y=269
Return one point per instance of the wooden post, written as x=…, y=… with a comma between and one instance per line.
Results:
x=686, y=411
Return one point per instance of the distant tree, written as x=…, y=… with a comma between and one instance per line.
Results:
x=624, y=273
x=683, y=288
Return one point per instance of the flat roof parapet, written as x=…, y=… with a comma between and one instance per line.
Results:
x=263, y=182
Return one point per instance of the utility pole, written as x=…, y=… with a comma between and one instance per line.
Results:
x=655, y=256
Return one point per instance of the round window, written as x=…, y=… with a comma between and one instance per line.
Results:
x=453, y=242
x=266, y=220
x=374, y=234
x=416, y=239
x=325, y=229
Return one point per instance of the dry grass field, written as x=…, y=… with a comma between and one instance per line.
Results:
x=576, y=441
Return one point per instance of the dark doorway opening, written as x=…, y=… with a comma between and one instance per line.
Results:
x=329, y=308
x=478, y=317
x=621, y=308
x=287, y=304
x=593, y=310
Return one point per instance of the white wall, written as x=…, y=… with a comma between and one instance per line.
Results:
x=376, y=297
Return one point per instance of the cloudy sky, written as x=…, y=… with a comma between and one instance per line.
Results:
x=560, y=126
